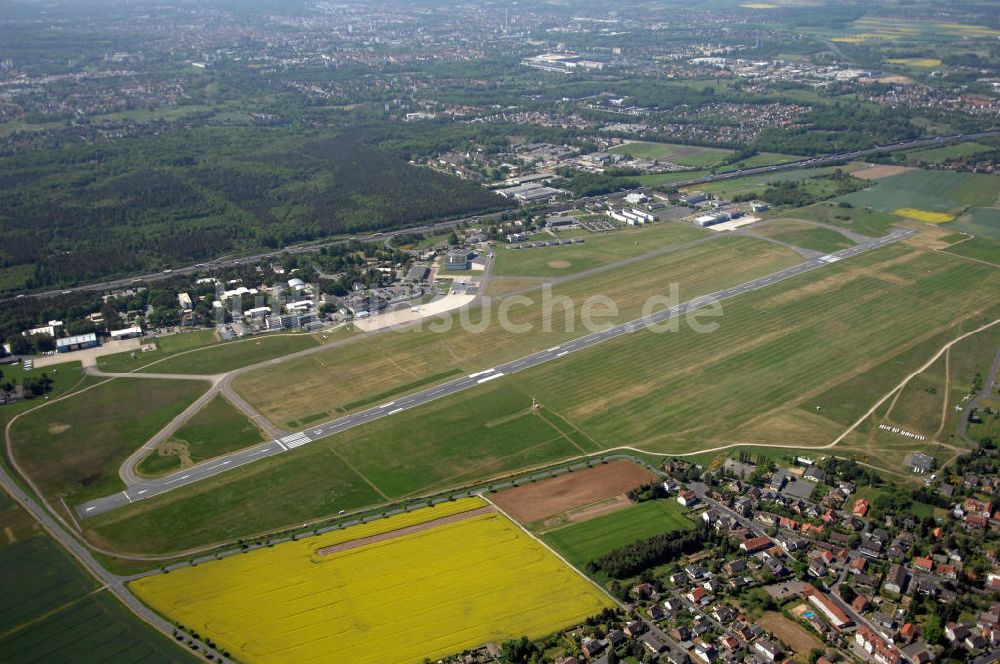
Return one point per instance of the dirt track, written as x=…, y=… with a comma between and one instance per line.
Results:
x=393, y=534
x=532, y=502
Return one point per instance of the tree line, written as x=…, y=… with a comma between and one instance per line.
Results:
x=645, y=553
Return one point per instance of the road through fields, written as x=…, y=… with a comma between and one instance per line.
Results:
x=155, y=486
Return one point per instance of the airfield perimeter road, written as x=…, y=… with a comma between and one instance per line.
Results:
x=219, y=263
x=153, y=487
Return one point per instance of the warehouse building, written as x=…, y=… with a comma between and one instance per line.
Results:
x=126, y=333
x=457, y=259
x=79, y=342
x=418, y=273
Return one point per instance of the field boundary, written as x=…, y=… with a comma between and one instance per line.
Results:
x=401, y=532
x=553, y=552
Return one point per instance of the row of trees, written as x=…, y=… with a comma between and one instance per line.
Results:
x=642, y=554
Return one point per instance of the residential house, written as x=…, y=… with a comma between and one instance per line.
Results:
x=635, y=628
x=592, y=647
x=768, y=649
x=698, y=596
x=752, y=546
x=687, y=497
x=896, y=579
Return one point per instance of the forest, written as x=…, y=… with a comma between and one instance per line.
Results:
x=84, y=212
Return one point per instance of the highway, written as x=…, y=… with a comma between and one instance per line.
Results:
x=445, y=225
x=153, y=487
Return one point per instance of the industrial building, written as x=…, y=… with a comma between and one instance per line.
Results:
x=561, y=222
x=78, y=342
x=530, y=193
x=126, y=333
x=418, y=273
x=457, y=259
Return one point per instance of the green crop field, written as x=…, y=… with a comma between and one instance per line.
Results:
x=49, y=579
x=805, y=235
x=682, y=155
x=73, y=447
x=935, y=191
x=50, y=612
x=582, y=542
x=598, y=250
x=865, y=221
x=942, y=154
x=981, y=222
x=324, y=382
x=216, y=429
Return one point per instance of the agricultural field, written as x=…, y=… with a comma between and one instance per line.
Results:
x=599, y=249
x=51, y=610
x=946, y=152
x=885, y=29
x=931, y=191
x=925, y=215
x=803, y=234
x=500, y=584
x=921, y=63
x=696, y=156
x=581, y=542
x=216, y=429
x=387, y=365
x=981, y=222
x=533, y=502
x=72, y=448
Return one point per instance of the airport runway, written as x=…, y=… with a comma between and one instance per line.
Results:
x=154, y=487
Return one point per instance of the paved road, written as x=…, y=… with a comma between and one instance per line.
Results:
x=153, y=487
x=445, y=225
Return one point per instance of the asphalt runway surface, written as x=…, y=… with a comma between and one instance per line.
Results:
x=156, y=486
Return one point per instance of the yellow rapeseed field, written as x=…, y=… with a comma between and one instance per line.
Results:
x=425, y=594
x=925, y=215
x=915, y=62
